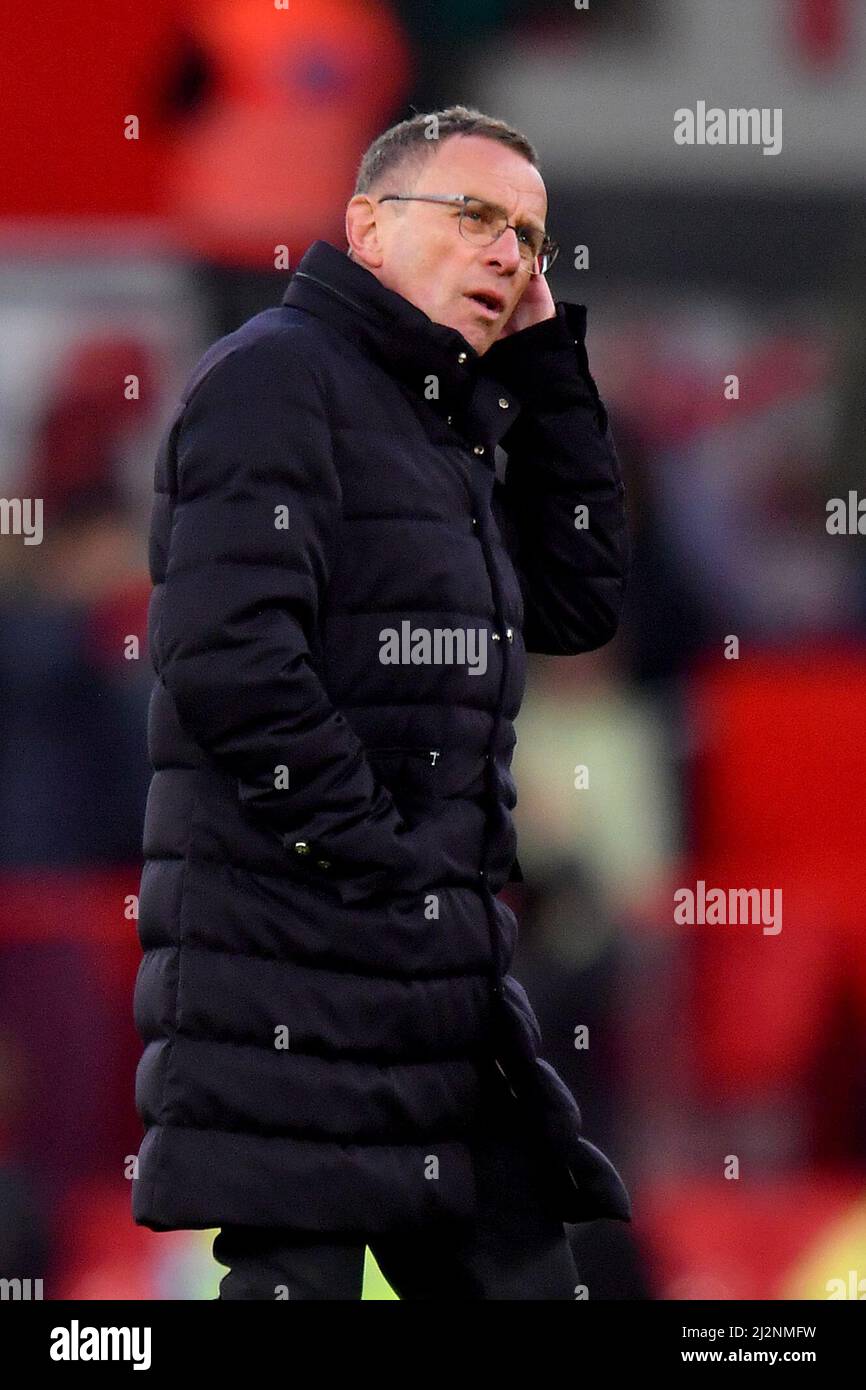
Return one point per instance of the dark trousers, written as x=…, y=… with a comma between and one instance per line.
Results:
x=515, y=1249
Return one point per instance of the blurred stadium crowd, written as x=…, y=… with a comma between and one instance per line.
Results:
x=121, y=259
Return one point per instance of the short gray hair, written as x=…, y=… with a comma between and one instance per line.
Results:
x=409, y=144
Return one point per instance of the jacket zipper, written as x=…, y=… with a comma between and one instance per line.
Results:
x=499, y=1068
x=571, y=1178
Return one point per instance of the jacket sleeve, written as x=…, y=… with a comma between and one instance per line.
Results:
x=562, y=500
x=250, y=553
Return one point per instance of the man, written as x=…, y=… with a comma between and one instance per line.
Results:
x=344, y=592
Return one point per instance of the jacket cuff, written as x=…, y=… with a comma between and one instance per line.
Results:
x=547, y=364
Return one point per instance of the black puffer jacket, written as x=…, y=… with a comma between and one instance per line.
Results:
x=324, y=982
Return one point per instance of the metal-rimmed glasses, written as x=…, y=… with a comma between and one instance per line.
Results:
x=483, y=223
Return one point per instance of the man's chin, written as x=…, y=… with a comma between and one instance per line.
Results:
x=481, y=338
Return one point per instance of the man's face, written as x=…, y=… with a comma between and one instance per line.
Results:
x=424, y=257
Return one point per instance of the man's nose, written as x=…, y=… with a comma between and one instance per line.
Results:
x=505, y=250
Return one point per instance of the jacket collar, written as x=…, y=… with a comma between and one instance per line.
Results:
x=390, y=328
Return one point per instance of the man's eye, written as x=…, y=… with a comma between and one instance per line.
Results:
x=475, y=213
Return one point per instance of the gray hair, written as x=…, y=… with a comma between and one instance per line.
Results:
x=409, y=144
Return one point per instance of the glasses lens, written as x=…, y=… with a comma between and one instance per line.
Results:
x=484, y=223
x=481, y=222
x=546, y=258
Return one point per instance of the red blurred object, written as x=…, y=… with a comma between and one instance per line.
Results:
x=821, y=31
x=70, y=75
x=68, y=904
x=713, y=1238
x=293, y=97
x=117, y=615
x=777, y=803
x=79, y=441
x=677, y=402
x=782, y=765
x=103, y=1254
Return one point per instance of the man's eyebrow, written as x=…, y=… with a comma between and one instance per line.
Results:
x=527, y=222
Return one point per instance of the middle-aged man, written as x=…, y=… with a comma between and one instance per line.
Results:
x=336, y=1055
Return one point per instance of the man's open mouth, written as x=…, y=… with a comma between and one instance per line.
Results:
x=494, y=303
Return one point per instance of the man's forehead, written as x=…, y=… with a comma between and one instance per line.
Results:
x=490, y=170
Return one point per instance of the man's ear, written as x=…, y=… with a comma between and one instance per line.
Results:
x=362, y=232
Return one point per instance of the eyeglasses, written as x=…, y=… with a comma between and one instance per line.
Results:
x=483, y=223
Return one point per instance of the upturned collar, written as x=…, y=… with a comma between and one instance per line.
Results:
x=386, y=325
x=482, y=393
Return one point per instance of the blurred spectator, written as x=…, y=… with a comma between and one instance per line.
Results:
x=666, y=621
x=73, y=764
